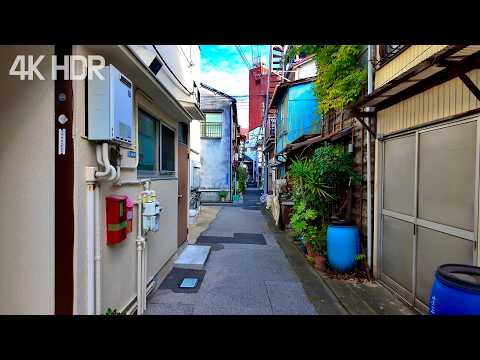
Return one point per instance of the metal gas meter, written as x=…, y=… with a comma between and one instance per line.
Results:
x=151, y=211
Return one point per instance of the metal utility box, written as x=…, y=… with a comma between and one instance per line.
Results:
x=110, y=107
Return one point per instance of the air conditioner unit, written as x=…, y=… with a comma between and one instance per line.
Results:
x=110, y=107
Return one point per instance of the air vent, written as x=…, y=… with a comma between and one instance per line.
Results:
x=125, y=81
x=155, y=65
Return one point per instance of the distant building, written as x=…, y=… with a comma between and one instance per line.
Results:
x=258, y=88
x=218, y=144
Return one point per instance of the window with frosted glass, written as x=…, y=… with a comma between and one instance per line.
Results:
x=168, y=150
x=212, y=127
x=147, y=138
x=446, y=181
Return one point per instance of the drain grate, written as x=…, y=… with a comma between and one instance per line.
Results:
x=177, y=276
x=188, y=283
x=238, y=238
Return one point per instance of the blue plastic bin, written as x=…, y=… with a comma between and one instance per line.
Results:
x=343, y=245
x=456, y=290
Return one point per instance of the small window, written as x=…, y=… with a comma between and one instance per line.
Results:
x=212, y=127
x=214, y=117
x=156, y=147
x=168, y=150
x=147, y=139
x=183, y=133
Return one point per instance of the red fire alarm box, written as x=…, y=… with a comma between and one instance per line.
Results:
x=116, y=219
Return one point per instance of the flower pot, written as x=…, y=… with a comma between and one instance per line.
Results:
x=309, y=250
x=320, y=262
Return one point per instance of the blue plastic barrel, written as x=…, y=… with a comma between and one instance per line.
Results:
x=456, y=290
x=343, y=245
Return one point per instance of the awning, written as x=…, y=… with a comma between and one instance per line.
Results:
x=450, y=57
x=330, y=137
x=193, y=109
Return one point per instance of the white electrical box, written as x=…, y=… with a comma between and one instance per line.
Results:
x=110, y=107
x=151, y=211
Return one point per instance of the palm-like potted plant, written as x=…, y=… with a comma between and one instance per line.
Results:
x=316, y=182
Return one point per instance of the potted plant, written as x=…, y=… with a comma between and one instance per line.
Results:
x=222, y=195
x=305, y=226
x=319, y=183
x=318, y=245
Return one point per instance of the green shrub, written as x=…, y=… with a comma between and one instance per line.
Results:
x=222, y=194
x=241, y=179
x=113, y=312
x=316, y=183
x=341, y=75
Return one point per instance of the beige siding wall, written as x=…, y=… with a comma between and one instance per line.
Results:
x=410, y=57
x=447, y=99
x=119, y=264
x=27, y=147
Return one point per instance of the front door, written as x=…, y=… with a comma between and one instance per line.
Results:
x=183, y=160
x=429, y=211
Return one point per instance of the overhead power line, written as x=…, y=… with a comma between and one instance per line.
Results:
x=244, y=58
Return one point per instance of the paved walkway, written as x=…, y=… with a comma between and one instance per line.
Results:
x=240, y=278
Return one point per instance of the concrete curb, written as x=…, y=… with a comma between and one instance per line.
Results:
x=355, y=299
x=318, y=292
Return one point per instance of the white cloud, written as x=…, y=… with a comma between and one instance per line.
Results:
x=231, y=83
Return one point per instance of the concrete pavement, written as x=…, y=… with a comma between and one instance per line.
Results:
x=242, y=279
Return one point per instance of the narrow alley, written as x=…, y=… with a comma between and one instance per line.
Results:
x=245, y=274
x=254, y=179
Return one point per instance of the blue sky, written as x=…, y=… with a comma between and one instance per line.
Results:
x=223, y=68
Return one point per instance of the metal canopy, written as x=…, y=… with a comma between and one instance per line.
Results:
x=451, y=61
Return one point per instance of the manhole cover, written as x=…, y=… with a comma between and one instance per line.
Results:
x=188, y=283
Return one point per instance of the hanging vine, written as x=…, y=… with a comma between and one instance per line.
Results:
x=341, y=75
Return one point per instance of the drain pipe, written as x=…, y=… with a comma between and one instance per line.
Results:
x=369, y=161
x=94, y=247
x=98, y=256
x=90, y=216
x=141, y=255
x=140, y=245
x=146, y=187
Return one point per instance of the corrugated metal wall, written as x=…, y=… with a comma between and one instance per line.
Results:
x=408, y=59
x=298, y=115
x=303, y=118
x=447, y=99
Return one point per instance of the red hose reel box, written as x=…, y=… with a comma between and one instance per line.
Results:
x=116, y=219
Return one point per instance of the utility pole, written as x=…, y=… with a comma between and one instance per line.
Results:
x=265, y=119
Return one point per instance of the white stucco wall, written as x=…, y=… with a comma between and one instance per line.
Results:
x=27, y=243
x=119, y=261
x=183, y=60
x=195, y=146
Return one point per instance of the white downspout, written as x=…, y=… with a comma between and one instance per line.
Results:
x=94, y=287
x=91, y=190
x=146, y=187
x=98, y=255
x=144, y=285
x=369, y=161
x=140, y=242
